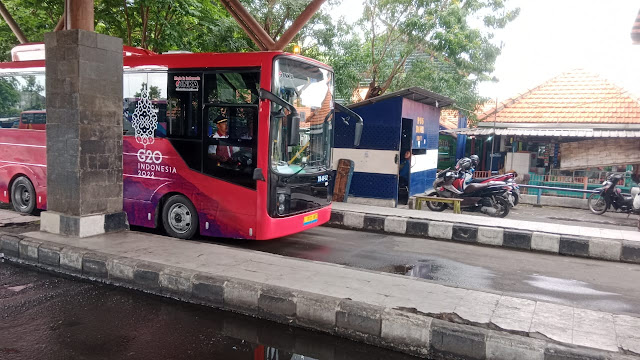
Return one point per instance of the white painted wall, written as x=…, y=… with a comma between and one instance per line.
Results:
x=424, y=162
x=370, y=161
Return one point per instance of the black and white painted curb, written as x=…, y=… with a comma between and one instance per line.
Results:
x=401, y=330
x=581, y=246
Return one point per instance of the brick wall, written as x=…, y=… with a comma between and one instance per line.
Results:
x=599, y=152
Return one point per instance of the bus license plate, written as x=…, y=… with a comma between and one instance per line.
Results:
x=310, y=219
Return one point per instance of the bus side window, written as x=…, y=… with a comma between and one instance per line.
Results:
x=39, y=118
x=231, y=144
x=26, y=119
x=230, y=119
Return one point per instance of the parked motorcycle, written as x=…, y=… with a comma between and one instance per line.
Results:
x=509, y=179
x=609, y=196
x=489, y=198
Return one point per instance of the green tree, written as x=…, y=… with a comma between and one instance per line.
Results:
x=276, y=16
x=157, y=25
x=339, y=46
x=449, y=48
x=35, y=18
x=9, y=97
x=162, y=25
x=31, y=93
x=154, y=92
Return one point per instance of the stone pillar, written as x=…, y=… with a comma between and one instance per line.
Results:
x=84, y=134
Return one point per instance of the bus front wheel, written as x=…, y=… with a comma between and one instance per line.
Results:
x=179, y=217
x=23, y=195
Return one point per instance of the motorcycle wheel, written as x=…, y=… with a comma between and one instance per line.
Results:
x=516, y=199
x=436, y=206
x=597, y=204
x=502, y=207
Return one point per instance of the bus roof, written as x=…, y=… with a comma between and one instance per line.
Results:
x=33, y=111
x=32, y=55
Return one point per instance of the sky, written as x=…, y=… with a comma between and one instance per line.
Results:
x=550, y=37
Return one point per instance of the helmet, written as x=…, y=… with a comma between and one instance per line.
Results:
x=464, y=164
x=475, y=160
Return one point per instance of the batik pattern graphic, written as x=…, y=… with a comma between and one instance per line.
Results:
x=144, y=120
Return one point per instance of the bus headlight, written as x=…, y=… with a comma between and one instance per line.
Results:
x=281, y=209
x=281, y=199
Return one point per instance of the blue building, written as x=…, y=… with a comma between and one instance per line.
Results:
x=394, y=124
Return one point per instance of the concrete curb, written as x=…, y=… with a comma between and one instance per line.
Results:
x=578, y=246
x=415, y=334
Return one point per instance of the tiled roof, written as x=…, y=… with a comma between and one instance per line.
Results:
x=573, y=97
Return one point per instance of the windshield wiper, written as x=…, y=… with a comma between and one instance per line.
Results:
x=286, y=179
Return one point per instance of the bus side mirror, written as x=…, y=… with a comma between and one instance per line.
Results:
x=358, y=135
x=359, y=122
x=293, y=125
x=257, y=174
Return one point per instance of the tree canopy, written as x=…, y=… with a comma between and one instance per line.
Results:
x=442, y=45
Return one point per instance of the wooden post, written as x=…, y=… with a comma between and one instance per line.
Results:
x=297, y=25
x=79, y=15
x=60, y=24
x=585, y=182
x=12, y=24
x=249, y=24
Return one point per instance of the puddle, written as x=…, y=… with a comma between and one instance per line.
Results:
x=93, y=321
x=445, y=271
x=18, y=288
x=565, y=286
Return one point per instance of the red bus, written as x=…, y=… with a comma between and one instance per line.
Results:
x=227, y=145
x=33, y=119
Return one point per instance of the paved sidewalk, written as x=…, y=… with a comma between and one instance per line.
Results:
x=10, y=217
x=505, y=223
x=407, y=314
x=605, y=244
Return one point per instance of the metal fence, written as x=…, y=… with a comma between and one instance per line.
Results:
x=567, y=185
x=538, y=191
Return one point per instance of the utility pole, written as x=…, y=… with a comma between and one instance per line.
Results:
x=493, y=139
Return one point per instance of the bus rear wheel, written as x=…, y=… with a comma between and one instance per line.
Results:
x=179, y=217
x=23, y=195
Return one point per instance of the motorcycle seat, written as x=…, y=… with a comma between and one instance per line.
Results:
x=475, y=187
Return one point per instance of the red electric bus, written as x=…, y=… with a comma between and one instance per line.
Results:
x=33, y=119
x=227, y=145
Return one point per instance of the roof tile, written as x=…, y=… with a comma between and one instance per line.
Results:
x=575, y=96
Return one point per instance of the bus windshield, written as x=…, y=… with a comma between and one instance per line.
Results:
x=309, y=89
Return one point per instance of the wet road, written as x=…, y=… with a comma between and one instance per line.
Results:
x=48, y=317
x=592, y=284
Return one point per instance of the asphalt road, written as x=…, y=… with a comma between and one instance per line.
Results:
x=592, y=284
x=50, y=317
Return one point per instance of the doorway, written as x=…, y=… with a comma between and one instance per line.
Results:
x=404, y=163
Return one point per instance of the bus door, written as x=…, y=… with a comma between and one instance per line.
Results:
x=230, y=116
